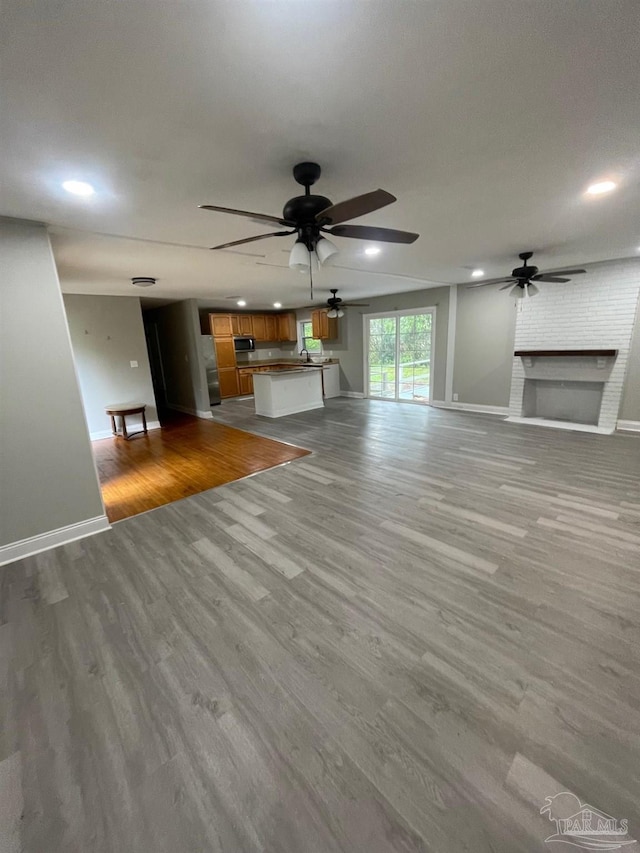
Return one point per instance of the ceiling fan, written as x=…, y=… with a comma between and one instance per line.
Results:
x=311, y=215
x=335, y=305
x=521, y=281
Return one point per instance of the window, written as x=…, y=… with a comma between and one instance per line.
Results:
x=311, y=344
x=398, y=347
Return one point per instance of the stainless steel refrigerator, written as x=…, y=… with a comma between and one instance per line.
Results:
x=211, y=367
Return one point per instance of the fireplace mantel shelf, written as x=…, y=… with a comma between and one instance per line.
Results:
x=559, y=353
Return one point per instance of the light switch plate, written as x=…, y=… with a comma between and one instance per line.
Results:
x=455, y=398
x=133, y=363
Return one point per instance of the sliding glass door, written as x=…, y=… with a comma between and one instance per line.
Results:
x=398, y=347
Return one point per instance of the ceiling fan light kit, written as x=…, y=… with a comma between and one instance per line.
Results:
x=299, y=257
x=312, y=216
x=521, y=281
x=325, y=250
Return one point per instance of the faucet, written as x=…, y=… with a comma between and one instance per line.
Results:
x=304, y=349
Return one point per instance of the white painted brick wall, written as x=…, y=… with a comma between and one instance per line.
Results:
x=594, y=311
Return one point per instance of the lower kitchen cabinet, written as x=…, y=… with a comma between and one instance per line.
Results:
x=246, y=382
x=229, y=385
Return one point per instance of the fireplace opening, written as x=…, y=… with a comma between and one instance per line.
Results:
x=562, y=400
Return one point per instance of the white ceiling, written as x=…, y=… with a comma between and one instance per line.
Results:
x=486, y=119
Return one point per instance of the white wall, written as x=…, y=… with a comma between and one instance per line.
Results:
x=107, y=334
x=594, y=311
x=50, y=490
x=264, y=351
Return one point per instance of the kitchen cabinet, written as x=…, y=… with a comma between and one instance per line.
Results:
x=229, y=386
x=225, y=353
x=271, y=327
x=221, y=325
x=235, y=324
x=259, y=327
x=287, y=327
x=246, y=382
x=322, y=326
x=246, y=325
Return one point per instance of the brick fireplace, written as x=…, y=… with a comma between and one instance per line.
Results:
x=571, y=349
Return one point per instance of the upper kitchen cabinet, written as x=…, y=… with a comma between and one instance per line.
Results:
x=322, y=327
x=271, y=327
x=246, y=324
x=235, y=324
x=221, y=325
x=259, y=327
x=287, y=327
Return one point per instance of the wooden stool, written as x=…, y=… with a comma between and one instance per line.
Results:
x=122, y=410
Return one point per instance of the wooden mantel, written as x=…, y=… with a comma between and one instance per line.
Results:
x=559, y=353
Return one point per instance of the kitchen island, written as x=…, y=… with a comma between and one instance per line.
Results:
x=284, y=392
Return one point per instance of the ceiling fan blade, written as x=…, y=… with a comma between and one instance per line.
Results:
x=546, y=277
x=563, y=272
x=354, y=207
x=508, y=285
x=355, y=305
x=369, y=232
x=252, y=239
x=258, y=217
x=509, y=279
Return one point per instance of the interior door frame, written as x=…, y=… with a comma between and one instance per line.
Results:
x=429, y=309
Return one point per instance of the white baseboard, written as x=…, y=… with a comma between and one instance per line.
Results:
x=471, y=407
x=358, y=395
x=44, y=541
x=629, y=426
x=198, y=413
x=133, y=427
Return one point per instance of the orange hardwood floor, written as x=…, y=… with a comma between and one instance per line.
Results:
x=185, y=457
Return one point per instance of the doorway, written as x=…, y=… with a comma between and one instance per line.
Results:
x=398, y=355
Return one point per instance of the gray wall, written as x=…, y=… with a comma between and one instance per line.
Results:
x=185, y=379
x=485, y=331
x=349, y=345
x=107, y=334
x=630, y=408
x=47, y=473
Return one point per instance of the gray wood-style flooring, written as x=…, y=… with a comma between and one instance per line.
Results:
x=404, y=642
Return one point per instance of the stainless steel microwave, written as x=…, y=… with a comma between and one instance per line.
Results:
x=244, y=344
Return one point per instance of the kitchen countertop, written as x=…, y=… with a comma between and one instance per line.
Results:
x=294, y=364
x=284, y=371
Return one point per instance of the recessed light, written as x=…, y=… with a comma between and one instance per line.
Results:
x=601, y=187
x=277, y=304
x=241, y=303
x=143, y=281
x=78, y=188
x=477, y=273
x=372, y=250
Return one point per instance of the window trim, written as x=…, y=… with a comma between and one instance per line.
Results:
x=302, y=338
